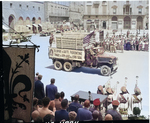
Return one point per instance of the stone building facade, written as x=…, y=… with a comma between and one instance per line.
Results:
x=116, y=15
x=76, y=11
x=56, y=11
x=23, y=16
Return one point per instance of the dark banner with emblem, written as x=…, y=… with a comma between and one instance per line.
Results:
x=19, y=70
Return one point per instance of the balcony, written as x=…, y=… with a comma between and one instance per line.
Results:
x=127, y=13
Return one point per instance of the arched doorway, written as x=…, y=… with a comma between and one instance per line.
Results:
x=20, y=21
x=27, y=20
x=104, y=24
x=11, y=21
x=33, y=20
x=139, y=22
x=127, y=22
x=34, y=29
x=39, y=25
x=114, y=22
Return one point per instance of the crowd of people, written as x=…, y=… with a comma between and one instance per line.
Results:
x=125, y=42
x=52, y=106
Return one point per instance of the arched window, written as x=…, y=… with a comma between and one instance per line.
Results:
x=114, y=18
x=127, y=22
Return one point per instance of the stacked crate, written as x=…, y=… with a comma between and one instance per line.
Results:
x=70, y=41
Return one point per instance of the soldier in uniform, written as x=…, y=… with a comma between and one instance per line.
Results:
x=51, y=40
x=136, y=98
x=123, y=99
x=100, y=89
x=110, y=98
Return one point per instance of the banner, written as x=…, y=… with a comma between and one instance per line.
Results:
x=68, y=54
x=19, y=66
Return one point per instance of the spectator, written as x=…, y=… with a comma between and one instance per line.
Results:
x=39, y=88
x=35, y=103
x=74, y=106
x=38, y=120
x=36, y=76
x=47, y=118
x=96, y=103
x=35, y=114
x=57, y=102
x=39, y=104
x=72, y=116
x=51, y=90
x=108, y=117
x=51, y=105
x=45, y=109
x=83, y=113
x=62, y=114
x=116, y=115
x=62, y=95
x=95, y=115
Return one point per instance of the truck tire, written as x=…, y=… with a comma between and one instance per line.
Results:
x=67, y=66
x=105, y=70
x=58, y=65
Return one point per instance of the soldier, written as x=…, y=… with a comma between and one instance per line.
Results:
x=109, y=98
x=136, y=98
x=122, y=46
x=123, y=99
x=100, y=89
x=111, y=46
x=114, y=47
x=51, y=40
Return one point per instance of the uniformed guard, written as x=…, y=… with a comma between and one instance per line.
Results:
x=123, y=99
x=136, y=98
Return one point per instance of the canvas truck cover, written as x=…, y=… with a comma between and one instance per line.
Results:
x=66, y=54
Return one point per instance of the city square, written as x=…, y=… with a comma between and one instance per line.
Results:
x=133, y=65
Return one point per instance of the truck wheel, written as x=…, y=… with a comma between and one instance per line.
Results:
x=58, y=65
x=67, y=66
x=105, y=70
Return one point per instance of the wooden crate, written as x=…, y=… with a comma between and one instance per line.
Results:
x=69, y=42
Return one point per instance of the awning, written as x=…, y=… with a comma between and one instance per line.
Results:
x=35, y=25
x=40, y=25
x=28, y=26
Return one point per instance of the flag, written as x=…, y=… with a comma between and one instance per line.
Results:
x=87, y=38
x=19, y=66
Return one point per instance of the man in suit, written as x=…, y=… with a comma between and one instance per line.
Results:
x=39, y=88
x=62, y=114
x=51, y=90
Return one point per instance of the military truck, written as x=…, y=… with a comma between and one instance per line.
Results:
x=70, y=52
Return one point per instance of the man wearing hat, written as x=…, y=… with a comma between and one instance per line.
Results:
x=84, y=114
x=123, y=98
x=113, y=112
x=100, y=89
x=109, y=98
x=96, y=104
x=136, y=98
